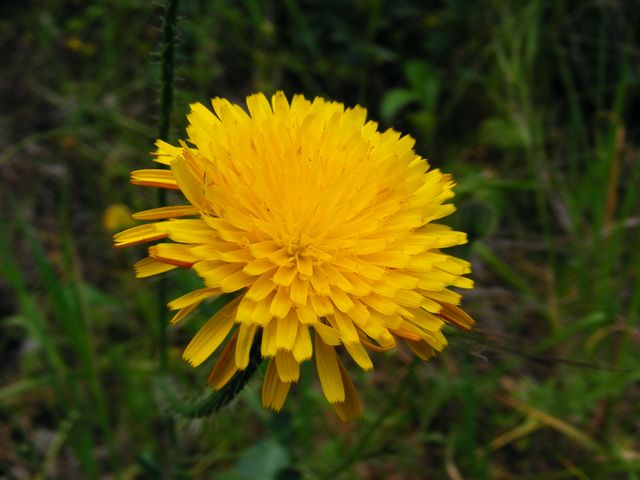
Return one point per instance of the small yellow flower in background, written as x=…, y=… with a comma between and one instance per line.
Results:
x=116, y=216
x=322, y=224
x=68, y=142
x=76, y=44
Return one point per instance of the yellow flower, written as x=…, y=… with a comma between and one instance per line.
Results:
x=116, y=217
x=323, y=226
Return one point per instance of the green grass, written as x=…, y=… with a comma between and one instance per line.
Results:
x=528, y=103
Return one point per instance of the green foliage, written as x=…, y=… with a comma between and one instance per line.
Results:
x=528, y=103
x=423, y=89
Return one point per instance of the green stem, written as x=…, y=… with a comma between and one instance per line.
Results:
x=166, y=99
x=166, y=105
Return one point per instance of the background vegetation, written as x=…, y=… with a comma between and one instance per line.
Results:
x=529, y=103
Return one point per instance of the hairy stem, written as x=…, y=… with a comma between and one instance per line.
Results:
x=166, y=105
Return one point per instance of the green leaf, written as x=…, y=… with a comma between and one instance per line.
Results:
x=394, y=101
x=424, y=83
x=501, y=133
x=425, y=122
x=264, y=460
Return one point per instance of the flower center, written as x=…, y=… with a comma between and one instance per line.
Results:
x=298, y=244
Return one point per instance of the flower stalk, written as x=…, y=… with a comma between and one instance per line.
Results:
x=166, y=106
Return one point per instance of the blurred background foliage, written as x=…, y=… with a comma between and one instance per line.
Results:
x=531, y=104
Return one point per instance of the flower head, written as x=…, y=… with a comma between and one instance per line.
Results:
x=323, y=225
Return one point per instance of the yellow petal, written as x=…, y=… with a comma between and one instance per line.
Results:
x=336, y=278
x=166, y=212
x=149, y=266
x=166, y=152
x=261, y=314
x=350, y=409
x=359, y=313
x=259, y=107
x=388, y=259
x=190, y=185
x=225, y=367
x=463, y=282
x=400, y=280
x=381, y=304
x=228, y=277
x=360, y=287
x=421, y=348
x=365, y=269
x=456, y=316
x=183, y=313
x=377, y=348
x=281, y=257
x=288, y=366
x=305, y=265
x=138, y=235
x=274, y=390
x=377, y=330
x=258, y=266
x=261, y=287
x=279, y=104
x=188, y=230
x=302, y=348
x=444, y=296
x=329, y=372
x=340, y=299
x=269, y=346
x=287, y=331
x=359, y=354
x=408, y=298
x=281, y=303
x=191, y=298
x=322, y=306
x=154, y=178
x=202, y=122
x=263, y=249
x=329, y=335
x=240, y=255
x=306, y=315
x=245, y=312
x=435, y=338
x=451, y=264
x=285, y=275
x=430, y=305
x=406, y=334
x=345, y=326
x=427, y=321
x=243, y=347
x=224, y=229
x=173, y=254
x=299, y=290
x=209, y=337
x=320, y=283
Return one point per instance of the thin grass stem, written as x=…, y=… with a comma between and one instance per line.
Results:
x=166, y=105
x=166, y=99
